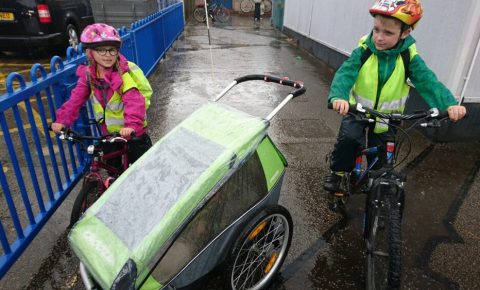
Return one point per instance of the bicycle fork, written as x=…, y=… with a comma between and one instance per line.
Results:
x=381, y=189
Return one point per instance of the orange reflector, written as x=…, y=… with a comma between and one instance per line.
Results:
x=273, y=258
x=338, y=194
x=255, y=232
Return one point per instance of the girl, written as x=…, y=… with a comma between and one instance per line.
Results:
x=117, y=88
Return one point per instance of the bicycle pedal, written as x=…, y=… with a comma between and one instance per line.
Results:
x=381, y=253
x=338, y=194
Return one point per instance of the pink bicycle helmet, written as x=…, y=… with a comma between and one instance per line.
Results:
x=99, y=34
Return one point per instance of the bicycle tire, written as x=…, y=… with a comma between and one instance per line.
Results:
x=267, y=6
x=384, y=246
x=89, y=193
x=246, y=6
x=260, y=250
x=199, y=14
x=222, y=14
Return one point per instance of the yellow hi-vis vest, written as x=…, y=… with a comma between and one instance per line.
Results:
x=394, y=93
x=114, y=110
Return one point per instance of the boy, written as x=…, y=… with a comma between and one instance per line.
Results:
x=375, y=76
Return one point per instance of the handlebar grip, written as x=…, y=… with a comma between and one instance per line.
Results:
x=299, y=92
x=300, y=89
x=442, y=115
x=352, y=108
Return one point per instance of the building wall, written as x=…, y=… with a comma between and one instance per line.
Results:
x=447, y=35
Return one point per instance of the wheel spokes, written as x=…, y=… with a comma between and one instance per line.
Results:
x=259, y=253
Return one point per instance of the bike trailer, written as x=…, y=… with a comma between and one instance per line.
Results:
x=170, y=217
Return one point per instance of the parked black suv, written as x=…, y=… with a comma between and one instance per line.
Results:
x=37, y=24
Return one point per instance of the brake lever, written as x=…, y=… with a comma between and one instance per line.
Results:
x=435, y=123
x=115, y=139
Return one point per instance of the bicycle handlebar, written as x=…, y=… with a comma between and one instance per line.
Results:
x=300, y=89
x=72, y=135
x=433, y=114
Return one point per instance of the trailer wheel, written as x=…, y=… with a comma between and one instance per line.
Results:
x=260, y=250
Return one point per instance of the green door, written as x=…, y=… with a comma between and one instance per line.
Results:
x=278, y=7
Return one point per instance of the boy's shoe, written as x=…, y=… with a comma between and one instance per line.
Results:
x=332, y=182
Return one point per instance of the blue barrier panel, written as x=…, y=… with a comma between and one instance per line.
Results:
x=174, y=18
x=37, y=170
x=128, y=46
x=30, y=170
x=155, y=34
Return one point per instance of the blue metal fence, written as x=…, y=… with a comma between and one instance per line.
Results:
x=37, y=170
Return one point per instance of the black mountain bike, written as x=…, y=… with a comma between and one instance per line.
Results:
x=385, y=195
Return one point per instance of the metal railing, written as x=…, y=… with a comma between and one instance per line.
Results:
x=37, y=170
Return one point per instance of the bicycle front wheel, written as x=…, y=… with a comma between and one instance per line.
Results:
x=222, y=14
x=246, y=6
x=89, y=193
x=199, y=14
x=260, y=250
x=384, y=246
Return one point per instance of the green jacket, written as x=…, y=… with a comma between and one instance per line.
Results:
x=426, y=83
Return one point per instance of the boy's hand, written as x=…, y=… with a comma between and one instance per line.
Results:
x=341, y=106
x=456, y=113
x=126, y=132
x=57, y=127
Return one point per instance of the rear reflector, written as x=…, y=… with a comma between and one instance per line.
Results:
x=44, y=13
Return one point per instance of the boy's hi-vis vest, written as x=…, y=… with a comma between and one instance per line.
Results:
x=394, y=93
x=113, y=113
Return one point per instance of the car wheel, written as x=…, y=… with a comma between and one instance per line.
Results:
x=72, y=34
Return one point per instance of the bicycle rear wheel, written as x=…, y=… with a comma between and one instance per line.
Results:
x=267, y=6
x=222, y=14
x=89, y=193
x=260, y=250
x=199, y=14
x=246, y=6
x=384, y=245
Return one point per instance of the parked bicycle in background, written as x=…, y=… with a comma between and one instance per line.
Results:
x=248, y=6
x=216, y=11
x=384, y=187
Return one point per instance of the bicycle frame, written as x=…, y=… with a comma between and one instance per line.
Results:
x=100, y=162
x=358, y=173
x=95, y=182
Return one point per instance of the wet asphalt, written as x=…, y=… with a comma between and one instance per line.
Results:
x=441, y=222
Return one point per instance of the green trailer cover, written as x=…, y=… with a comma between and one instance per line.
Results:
x=138, y=214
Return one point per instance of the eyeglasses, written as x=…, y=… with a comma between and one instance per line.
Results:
x=103, y=51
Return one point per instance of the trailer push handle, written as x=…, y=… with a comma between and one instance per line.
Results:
x=283, y=81
x=300, y=89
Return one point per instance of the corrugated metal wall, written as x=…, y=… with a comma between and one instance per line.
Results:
x=447, y=35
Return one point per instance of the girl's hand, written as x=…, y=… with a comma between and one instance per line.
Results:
x=456, y=113
x=341, y=106
x=126, y=132
x=57, y=127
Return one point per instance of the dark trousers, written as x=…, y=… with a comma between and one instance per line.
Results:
x=351, y=139
x=136, y=148
x=257, y=11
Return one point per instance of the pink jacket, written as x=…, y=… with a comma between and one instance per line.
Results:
x=133, y=100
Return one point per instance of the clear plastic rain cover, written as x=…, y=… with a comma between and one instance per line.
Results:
x=136, y=218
